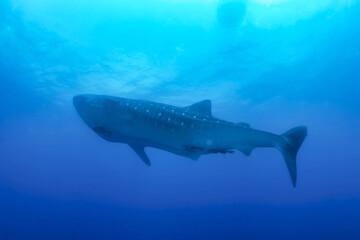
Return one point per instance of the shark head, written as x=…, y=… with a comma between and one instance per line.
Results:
x=89, y=108
x=102, y=114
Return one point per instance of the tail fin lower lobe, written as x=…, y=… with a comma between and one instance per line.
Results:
x=290, y=146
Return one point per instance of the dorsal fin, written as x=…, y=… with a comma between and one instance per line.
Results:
x=203, y=107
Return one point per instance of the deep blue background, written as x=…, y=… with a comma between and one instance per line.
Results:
x=275, y=64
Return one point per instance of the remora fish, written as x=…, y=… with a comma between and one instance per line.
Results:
x=187, y=131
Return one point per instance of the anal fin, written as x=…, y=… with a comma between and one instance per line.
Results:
x=141, y=153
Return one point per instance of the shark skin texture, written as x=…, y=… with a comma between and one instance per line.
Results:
x=189, y=131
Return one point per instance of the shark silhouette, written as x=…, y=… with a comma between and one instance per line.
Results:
x=189, y=131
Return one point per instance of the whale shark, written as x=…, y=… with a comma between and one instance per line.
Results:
x=189, y=131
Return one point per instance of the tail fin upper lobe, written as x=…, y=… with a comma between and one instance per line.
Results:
x=290, y=146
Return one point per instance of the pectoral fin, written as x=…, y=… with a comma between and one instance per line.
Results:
x=141, y=153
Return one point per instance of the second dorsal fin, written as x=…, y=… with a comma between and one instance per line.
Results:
x=203, y=107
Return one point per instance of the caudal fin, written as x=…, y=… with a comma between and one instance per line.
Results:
x=290, y=146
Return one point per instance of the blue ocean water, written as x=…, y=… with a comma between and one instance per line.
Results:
x=274, y=64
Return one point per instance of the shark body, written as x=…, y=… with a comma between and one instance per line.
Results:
x=189, y=131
